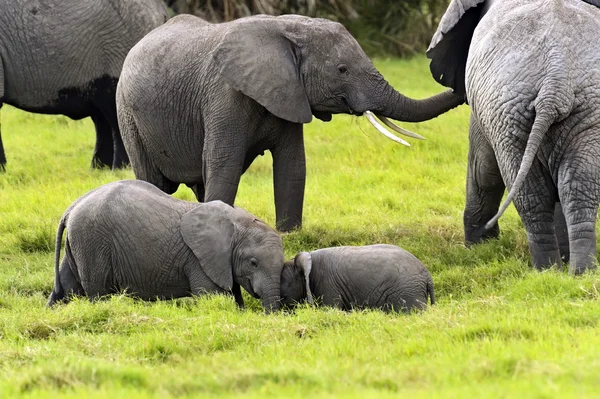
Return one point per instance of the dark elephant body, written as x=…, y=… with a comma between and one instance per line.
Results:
x=533, y=84
x=65, y=57
x=374, y=276
x=198, y=102
x=129, y=236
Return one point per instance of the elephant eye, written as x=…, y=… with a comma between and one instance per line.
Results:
x=343, y=69
x=253, y=262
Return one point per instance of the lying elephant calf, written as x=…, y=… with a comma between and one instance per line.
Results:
x=129, y=235
x=373, y=276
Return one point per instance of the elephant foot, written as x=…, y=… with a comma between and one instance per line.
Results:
x=544, y=252
x=583, y=256
x=478, y=234
x=99, y=163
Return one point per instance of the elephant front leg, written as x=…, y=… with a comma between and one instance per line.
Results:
x=289, y=178
x=485, y=188
x=223, y=165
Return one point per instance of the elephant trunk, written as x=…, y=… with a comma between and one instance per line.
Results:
x=395, y=105
x=401, y=108
x=271, y=299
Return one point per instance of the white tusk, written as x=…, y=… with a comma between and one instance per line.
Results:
x=399, y=129
x=371, y=118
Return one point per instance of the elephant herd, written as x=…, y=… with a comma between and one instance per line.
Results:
x=186, y=101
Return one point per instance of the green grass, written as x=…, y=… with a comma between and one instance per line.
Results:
x=500, y=329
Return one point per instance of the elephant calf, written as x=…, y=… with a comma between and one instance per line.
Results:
x=129, y=235
x=373, y=276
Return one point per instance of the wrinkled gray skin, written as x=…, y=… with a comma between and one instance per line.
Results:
x=129, y=235
x=532, y=80
x=374, y=276
x=198, y=102
x=65, y=57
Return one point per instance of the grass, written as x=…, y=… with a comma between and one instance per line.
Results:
x=499, y=329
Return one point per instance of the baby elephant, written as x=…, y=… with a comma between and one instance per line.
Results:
x=374, y=276
x=129, y=235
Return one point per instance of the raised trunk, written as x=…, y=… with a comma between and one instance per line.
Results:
x=401, y=108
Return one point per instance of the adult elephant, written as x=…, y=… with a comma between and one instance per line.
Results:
x=65, y=57
x=533, y=84
x=198, y=102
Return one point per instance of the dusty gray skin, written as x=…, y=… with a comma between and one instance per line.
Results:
x=374, y=276
x=532, y=79
x=198, y=102
x=129, y=235
x=65, y=57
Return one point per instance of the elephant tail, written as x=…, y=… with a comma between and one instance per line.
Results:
x=58, y=293
x=430, y=290
x=544, y=118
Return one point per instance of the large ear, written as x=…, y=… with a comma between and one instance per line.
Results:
x=256, y=58
x=208, y=231
x=449, y=46
x=303, y=260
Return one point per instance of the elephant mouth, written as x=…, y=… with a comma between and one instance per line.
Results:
x=350, y=110
x=322, y=115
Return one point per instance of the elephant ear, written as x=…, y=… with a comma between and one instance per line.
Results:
x=256, y=58
x=208, y=231
x=303, y=260
x=593, y=2
x=449, y=46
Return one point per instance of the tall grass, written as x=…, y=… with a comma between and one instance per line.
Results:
x=499, y=329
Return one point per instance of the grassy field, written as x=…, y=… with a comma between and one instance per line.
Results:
x=499, y=329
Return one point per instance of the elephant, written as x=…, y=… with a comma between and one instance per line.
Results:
x=130, y=236
x=377, y=276
x=65, y=57
x=533, y=84
x=198, y=102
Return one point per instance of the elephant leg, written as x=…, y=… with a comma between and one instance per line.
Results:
x=143, y=166
x=536, y=204
x=579, y=192
x=198, y=190
x=120, y=158
x=485, y=187
x=289, y=178
x=562, y=234
x=222, y=170
x=103, y=151
x=69, y=282
x=2, y=154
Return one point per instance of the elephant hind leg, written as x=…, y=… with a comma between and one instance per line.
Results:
x=69, y=282
x=535, y=204
x=579, y=190
x=143, y=166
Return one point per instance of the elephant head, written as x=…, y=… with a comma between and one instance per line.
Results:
x=295, y=283
x=297, y=67
x=236, y=249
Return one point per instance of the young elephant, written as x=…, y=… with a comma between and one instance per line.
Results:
x=373, y=276
x=129, y=235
